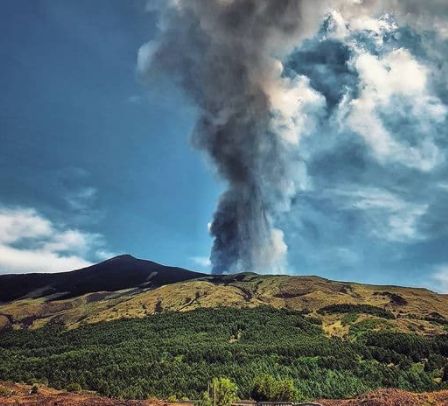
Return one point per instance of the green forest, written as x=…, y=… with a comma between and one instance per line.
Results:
x=171, y=355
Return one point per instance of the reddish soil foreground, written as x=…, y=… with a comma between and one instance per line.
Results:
x=393, y=397
x=18, y=394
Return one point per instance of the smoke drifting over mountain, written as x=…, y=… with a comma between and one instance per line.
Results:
x=228, y=56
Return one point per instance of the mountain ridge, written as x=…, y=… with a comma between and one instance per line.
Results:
x=117, y=273
x=341, y=307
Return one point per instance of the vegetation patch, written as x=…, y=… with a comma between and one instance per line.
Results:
x=435, y=317
x=395, y=299
x=367, y=325
x=356, y=308
x=178, y=355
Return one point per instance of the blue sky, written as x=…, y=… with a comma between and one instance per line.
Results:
x=94, y=162
x=89, y=147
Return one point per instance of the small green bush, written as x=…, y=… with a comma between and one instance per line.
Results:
x=223, y=391
x=268, y=388
x=74, y=387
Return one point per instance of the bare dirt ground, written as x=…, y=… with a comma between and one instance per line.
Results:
x=19, y=394
x=393, y=397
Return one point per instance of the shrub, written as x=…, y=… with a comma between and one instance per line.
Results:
x=205, y=399
x=268, y=388
x=223, y=391
x=73, y=387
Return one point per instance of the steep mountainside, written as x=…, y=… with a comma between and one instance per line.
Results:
x=117, y=273
x=342, y=307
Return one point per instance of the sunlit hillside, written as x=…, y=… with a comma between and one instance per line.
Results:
x=376, y=307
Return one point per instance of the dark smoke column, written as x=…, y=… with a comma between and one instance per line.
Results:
x=226, y=55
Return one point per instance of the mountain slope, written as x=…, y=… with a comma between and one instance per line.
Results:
x=343, y=308
x=163, y=339
x=122, y=272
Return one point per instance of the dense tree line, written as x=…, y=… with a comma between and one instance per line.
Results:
x=179, y=354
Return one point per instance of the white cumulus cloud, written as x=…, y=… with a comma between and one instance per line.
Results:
x=387, y=83
x=30, y=242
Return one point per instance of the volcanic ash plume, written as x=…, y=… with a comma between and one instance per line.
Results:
x=226, y=55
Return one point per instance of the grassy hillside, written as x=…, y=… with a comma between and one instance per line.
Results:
x=177, y=353
x=374, y=307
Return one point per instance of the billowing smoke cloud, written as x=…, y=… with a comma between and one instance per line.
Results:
x=228, y=56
